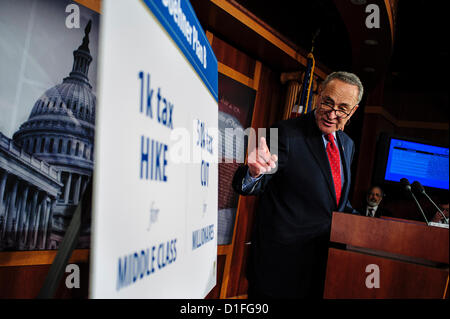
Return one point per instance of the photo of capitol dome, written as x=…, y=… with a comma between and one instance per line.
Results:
x=48, y=162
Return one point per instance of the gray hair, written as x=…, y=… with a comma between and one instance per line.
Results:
x=346, y=77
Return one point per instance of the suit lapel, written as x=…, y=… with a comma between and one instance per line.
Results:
x=314, y=141
x=345, y=164
x=344, y=159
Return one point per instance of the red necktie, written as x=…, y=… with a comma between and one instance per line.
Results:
x=335, y=164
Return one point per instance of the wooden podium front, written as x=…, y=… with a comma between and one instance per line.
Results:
x=386, y=258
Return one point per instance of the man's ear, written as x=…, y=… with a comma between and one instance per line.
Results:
x=349, y=117
x=354, y=109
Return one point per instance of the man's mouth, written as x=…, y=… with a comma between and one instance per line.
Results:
x=328, y=123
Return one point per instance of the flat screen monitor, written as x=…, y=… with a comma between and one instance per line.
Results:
x=425, y=163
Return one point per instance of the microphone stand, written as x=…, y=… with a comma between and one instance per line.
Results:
x=420, y=208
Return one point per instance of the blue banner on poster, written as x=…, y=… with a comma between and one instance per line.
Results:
x=179, y=20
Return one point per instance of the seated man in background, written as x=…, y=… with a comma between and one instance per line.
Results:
x=372, y=206
x=438, y=218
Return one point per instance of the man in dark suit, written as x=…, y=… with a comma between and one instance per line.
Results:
x=372, y=206
x=299, y=189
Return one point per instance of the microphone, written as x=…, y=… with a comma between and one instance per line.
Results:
x=406, y=185
x=417, y=187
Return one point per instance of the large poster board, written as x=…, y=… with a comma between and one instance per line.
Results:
x=155, y=184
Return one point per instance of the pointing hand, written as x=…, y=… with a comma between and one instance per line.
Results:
x=260, y=161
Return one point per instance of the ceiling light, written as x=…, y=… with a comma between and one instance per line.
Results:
x=358, y=2
x=371, y=42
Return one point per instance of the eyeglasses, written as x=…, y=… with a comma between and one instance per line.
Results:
x=340, y=113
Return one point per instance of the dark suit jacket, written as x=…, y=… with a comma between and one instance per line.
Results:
x=293, y=219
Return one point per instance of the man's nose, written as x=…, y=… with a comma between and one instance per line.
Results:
x=332, y=115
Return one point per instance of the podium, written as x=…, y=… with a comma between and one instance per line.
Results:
x=386, y=258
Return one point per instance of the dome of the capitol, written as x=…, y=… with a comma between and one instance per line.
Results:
x=61, y=125
x=70, y=98
x=69, y=104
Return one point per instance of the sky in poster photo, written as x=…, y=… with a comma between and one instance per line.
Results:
x=36, y=53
